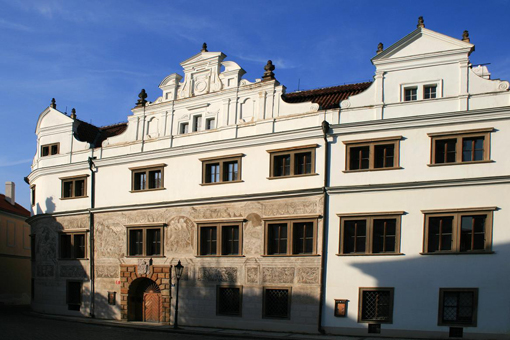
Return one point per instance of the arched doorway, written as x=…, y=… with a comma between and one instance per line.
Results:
x=144, y=301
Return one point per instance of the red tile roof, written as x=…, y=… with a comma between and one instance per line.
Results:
x=13, y=209
x=327, y=97
x=94, y=135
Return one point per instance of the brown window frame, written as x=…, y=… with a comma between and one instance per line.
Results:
x=474, y=316
x=71, y=304
x=389, y=319
x=144, y=229
x=264, y=302
x=52, y=149
x=72, y=246
x=147, y=170
x=369, y=232
x=372, y=144
x=290, y=235
x=291, y=152
x=73, y=180
x=219, y=237
x=221, y=162
x=457, y=215
x=218, y=302
x=459, y=136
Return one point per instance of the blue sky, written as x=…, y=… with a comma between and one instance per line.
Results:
x=95, y=56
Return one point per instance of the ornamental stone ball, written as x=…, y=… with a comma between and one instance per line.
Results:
x=73, y=113
x=53, y=104
x=142, y=101
x=380, y=48
x=421, y=22
x=269, y=68
x=204, y=48
x=465, y=36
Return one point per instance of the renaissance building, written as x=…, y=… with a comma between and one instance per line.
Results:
x=376, y=207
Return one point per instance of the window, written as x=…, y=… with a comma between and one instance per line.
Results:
x=183, y=128
x=50, y=149
x=410, y=93
x=229, y=300
x=74, y=187
x=32, y=194
x=429, y=91
x=373, y=154
x=145, y=241
x=74, y=292
x=458, y=307
x=147, y=178
x=370, y=234
x=276, y=303
x=210, y=123
x=219, y=239
x=291, y=237
x=197, y=123
x=223, y=169
x=73, y=246
x=461, y=146
x=468, y=231
x=376, y=305
x=290, y=162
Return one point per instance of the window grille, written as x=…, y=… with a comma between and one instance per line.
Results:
x=377, y=305
x=229, y=301
x=276, y=304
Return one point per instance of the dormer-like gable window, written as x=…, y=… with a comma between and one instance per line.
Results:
x=50, y=149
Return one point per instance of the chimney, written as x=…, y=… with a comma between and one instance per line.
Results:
x=10, y=192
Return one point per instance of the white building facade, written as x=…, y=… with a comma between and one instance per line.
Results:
x=391, y=216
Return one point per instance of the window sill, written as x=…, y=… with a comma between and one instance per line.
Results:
x=224, y=182
x=215, y=256
x=375, y=322
x=376, y=254
x=374, y=169
x=293, y=176
x=461, y=253
x=72, y=198
x=456, y=324
x=144, y=256
x=461, y=163
x=146, y=190
x=69, y=259
x=292, y=255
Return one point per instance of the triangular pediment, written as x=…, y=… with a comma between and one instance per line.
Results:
x=203, y=56
x=423, y=41
x=50, y=118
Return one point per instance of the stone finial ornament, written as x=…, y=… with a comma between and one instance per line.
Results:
x=421, y=22
x=142, y=101
x=53, y=104
x=204, y=48
x=465, y=36
x=269, y=68
x=380, y=48
x=73, y=113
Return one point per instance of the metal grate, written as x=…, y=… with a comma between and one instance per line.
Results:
x=229, y=299
x=276, y=303
x=458, y=307
x=376, y=306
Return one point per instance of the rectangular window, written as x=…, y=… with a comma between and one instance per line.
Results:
x=210, y=123
x=461, y=147
x=288, y=237
x=375, y=154
x=184, y=128
x=220, y=239
x=229, y=300
x=376, y=305
x=410, y=93
x=197, y=123
x=458, y=307
x=429, y=91
x=74, y=187
x=145, y=241
x=151, y=178
x=221, y=169
x=276, y=303
x=370, y=234
x=73, y=246
x=74, y=295
x=292, y=161
x=32, y=194
x=50, y=149
x=458, y=232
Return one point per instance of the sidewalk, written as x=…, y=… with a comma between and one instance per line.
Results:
x=205, y=331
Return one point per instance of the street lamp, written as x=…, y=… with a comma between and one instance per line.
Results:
x=178, y=273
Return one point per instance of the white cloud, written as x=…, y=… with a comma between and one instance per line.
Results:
x=279, y=63
x=6, y=163
x=14, y=26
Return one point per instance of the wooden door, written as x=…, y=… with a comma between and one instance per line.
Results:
x=151, y=306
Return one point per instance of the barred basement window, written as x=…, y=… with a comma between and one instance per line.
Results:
x=229, y=300
x=372, y=154
x=276, y=303
x=289, y=162
x=73, y=246
x=458, y=307
x=74, y=187
x=50, y=149
x=376, y=305
x=147, y=178
x=74, y=295
x=145, y=241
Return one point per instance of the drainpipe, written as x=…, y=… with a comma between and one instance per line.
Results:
x=91, y=229
x=325, y=130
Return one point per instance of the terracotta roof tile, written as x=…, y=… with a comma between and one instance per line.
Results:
x=13, y=209
x=328, y=97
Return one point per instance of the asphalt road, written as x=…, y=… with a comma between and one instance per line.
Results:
x=19, y=324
